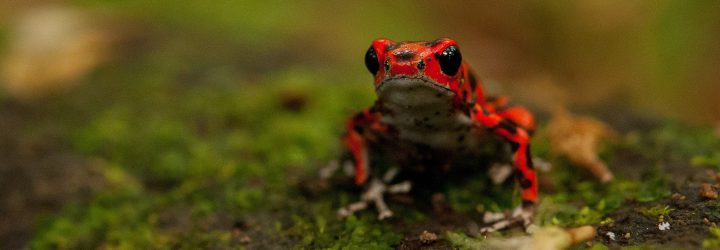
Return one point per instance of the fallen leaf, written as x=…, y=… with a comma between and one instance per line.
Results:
x=578, y=139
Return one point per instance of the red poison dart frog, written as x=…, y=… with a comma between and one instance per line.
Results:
x=431, y=111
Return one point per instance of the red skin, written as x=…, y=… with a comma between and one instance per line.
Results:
x=512, y=124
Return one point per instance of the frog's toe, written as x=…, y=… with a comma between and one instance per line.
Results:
x=400, y=188
x=352, y=208
x=385, y=214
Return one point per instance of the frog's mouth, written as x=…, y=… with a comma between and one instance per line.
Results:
x=414, y=94
x=412, y=84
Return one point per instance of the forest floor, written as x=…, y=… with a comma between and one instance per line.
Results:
x=192, y=140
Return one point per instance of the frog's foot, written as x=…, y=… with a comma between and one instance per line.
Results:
x=374, y=194
x=522, y=215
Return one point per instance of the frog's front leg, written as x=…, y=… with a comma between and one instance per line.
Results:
x=361, y=128
x=519, y=139
x=518, y=115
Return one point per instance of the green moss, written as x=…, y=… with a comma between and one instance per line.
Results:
x=714, y=240
x=559, y=214
x=652, y=189
x=587, y=216
x=598, y=246
x=211, y=152
x=354, y=233
x=713, y=212
x=112, y=221
x=674, y=140
x=462, y=241
x=466, y=197
x=707, y=160
x=656, y=211
x=599, y=199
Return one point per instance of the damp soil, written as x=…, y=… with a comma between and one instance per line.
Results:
x=689, y=217
x=690, y=213
x=38, y=174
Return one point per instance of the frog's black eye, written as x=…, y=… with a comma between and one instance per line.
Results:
x=371, y=61
x=450, y=60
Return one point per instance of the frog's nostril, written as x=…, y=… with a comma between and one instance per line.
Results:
x=421, y=65
x=387, y=65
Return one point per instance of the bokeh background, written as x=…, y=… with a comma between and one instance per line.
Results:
x=659, y=56
x=118, y=117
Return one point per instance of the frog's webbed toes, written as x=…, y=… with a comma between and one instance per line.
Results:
x=522, y=215
x=375, y=194
x=352, y=208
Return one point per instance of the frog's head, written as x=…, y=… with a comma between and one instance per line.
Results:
x=434, y=66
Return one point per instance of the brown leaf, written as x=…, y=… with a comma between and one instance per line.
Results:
x=578, y=139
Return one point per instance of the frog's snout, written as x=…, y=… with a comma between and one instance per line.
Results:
x=403, y=62
x=400, y=69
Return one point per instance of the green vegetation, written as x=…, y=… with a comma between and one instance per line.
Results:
x=207, y=156
x=354, y=233
x=714, y=240
x=202, y=136
x=656, y=211
x=462, y=241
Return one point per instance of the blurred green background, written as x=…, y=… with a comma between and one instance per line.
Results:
x=659, y=56
x=137, y=123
